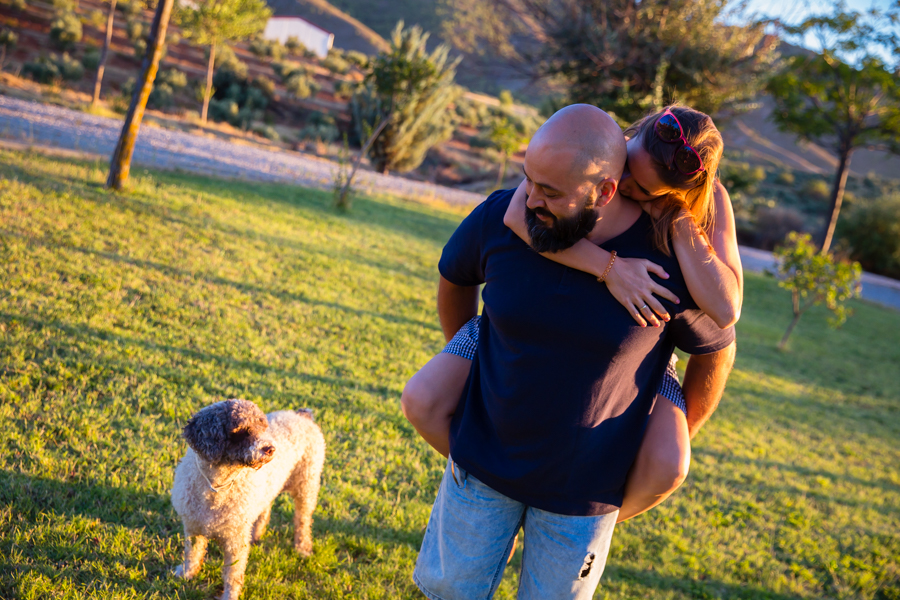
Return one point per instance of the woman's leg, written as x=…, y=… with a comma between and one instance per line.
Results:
x=662, y=462
x=431, y=396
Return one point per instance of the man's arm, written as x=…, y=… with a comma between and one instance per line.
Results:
x=704, y=382
x=456, y=304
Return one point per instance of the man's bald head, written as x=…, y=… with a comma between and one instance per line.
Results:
x=591, y=140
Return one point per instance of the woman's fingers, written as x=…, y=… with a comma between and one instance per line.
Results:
x=654, y=268
x=657, y=308
x=665, y=293
x=647, y=313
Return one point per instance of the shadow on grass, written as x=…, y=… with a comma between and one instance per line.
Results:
x=705, y=589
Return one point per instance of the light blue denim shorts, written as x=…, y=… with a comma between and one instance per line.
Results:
x=470, y=535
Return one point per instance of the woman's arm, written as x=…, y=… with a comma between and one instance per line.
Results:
x=628, y=280
x=714, y=278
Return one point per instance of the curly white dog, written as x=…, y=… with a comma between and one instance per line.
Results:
x=238, y=461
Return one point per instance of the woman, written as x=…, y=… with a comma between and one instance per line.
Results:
x=673, y=156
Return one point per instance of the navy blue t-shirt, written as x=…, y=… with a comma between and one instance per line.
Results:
x=563, y=380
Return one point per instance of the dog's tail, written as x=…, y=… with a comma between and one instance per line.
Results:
x=306, y=412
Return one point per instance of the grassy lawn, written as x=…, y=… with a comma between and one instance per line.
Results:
x=120, y=315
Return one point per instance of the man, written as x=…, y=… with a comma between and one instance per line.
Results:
x=563, y=380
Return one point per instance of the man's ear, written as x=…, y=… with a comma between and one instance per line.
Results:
x=606, y=189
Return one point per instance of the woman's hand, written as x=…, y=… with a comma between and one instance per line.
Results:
x=630, y=283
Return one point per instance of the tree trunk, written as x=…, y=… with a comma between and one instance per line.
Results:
x=120, y=164
x=102, y=66
x=795, y=297
x=502, y=172
x=837, y=197
x=209, y=78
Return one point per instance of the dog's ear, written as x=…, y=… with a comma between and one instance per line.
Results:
x=206, y=433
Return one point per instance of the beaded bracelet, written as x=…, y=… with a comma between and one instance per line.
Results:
x=612, y=259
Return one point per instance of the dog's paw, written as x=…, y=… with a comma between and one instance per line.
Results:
x=303, y=547
x=179, y=572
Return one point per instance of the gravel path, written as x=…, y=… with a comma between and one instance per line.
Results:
x=44, y=125
x=41, y=124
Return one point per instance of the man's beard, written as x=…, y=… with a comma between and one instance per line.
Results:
x=564, y=232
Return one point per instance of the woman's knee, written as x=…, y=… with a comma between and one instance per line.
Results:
x=665, y=454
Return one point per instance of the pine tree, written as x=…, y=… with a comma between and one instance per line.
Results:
x=98, y=81
x=414, y=88
x=214, y=22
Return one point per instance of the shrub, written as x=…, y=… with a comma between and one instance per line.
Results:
x=320, y=127
x=17, y=5
x=335, y=63
x=873, y=233
x=42, y=70
x=65, y=31
x=293, y=45
x=267, y=131
x=69, y=68
x=8, y=41
x=134, y=27
x=785, y=178
x=264, y=48
x=356, y=58
x=506, y=98
x=301, y=85
x=344, y=90
x=91, y=59
x=774, y=223
x=265, y=85
x=738, y=177
x=817, y=189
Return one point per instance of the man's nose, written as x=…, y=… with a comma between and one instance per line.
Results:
x=534, y=200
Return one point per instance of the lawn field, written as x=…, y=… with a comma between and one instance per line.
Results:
x=122, y=314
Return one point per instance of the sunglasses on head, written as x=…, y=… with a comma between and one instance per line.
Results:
x=669, y=130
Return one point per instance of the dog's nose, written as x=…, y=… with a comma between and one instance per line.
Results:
x=268, y=450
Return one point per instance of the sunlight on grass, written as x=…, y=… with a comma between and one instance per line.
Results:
x=122, y=314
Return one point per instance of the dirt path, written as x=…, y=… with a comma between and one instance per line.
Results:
x=41, y=124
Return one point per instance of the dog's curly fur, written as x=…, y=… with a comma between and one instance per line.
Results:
x=249, y=458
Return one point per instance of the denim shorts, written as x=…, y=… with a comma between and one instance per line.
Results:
x=470, y=535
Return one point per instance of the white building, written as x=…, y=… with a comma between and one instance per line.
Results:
x=312, y=36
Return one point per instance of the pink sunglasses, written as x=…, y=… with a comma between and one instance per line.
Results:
x=669, y=130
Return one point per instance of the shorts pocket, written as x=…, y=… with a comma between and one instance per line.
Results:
x=458, y=474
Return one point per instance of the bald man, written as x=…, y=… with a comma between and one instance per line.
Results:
x=561, y=386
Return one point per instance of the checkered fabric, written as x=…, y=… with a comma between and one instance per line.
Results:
x=466, y=340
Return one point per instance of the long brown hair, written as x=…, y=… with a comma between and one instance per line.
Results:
x=692, y=192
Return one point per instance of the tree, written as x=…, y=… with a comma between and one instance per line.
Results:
x=101, y=66
x=415, y=88
x=8, y=41
x=508, y=139
x=815, y=278
x=214, y=22
x=625, y=56
x=120, y=163
x=845, y=97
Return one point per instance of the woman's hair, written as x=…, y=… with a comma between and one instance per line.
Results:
x=694, y=192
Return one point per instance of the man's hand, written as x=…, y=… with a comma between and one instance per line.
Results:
x=704, y=382
x=456, y=304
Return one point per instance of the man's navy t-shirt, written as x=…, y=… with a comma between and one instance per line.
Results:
x=563, y=379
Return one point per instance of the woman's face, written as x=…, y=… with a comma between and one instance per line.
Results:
x=640, y=181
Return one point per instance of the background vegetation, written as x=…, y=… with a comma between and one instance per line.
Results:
x=121, y=314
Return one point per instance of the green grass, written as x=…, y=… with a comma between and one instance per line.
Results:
x=121, y=314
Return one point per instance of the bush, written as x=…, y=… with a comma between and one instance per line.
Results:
x=301, y=85
x=320, y=127
x=267, y=131
x=344, y=90
x=17, y=5
x=91, y=59
x=738, y=177
x=65, y=31
x=134, y=28
x=69, y=68
x=42, y=70
x=293, y=45
x=873, y=233
x=335, y=63
x=817, y=189
x=265, y=85
x=238, y=101
x=774, y=223
x=356, y=58
x=785, y=178
x=264, y=48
